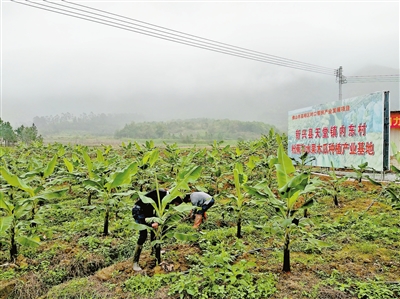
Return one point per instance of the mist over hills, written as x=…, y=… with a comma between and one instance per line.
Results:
x=242, y=103
x=94, y=124
x=180, y=130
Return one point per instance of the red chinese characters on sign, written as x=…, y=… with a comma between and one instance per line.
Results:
x=353, y=148
x=395, y=119
x=361, y=148
x=332, y=132
x=321, y=112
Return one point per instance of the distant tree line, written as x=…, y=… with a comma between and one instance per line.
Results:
x=93, y=124
x=195, y=129
x=9, y=136
x=123, y=126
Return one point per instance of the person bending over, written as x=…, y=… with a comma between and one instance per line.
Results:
x=202, y=200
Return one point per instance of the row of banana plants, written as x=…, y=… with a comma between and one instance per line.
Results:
x=252, y=173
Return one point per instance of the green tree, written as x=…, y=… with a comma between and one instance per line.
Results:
x=28, y=134
x=7, y=134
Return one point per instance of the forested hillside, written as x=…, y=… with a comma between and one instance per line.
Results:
x=195, y=129
x=133, y=126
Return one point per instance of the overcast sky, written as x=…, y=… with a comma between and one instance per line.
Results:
x=53, y=64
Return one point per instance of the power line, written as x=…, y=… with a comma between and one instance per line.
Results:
x=201, y=38
x=171, y=35
x=372, y=78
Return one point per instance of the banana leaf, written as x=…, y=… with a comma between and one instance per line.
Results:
x=5, y=223
x=186, y=237
x=28, y=241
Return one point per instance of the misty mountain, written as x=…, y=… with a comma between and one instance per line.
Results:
x=93, y=124
x=240, y=102
x=196, y=129
x=183, y=130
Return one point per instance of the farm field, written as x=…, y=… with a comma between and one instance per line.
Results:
x=278, y=229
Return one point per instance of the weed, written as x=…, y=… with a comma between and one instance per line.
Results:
x=8, y=274
x=92, y=242
x=313, y=293
x=369, y=289
x=228, y=282
x=54, y=277
x=78, y=289
x=372, y=289
x=217, y=236
x=366, y=247
x=146, y=285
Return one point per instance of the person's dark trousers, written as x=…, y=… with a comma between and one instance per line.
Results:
x=143, y=233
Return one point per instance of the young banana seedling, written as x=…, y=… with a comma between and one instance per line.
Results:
x=286, y=199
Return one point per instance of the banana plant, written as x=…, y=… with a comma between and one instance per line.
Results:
x=240, y=179
x=72, y=171
x=12, y=220
x=145, y=163
x=304, y=161
x=107, y=185
x=252, y=164
x=334, y=183
x=395, y=151
x=169, y=218
x=216, y=169
x=270, y=142
x=172, y=154
x=173, y=163
x=391, y=190
x=359, y=171
x=37, y=194
x=285, y=200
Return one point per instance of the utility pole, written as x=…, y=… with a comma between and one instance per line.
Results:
x=341, y=80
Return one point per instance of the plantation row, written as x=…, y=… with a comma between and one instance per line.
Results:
x=69, y=197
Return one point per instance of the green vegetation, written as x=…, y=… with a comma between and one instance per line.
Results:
x=9, y=136
x=191, y=130
x=131, y=126
x=66, y=228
